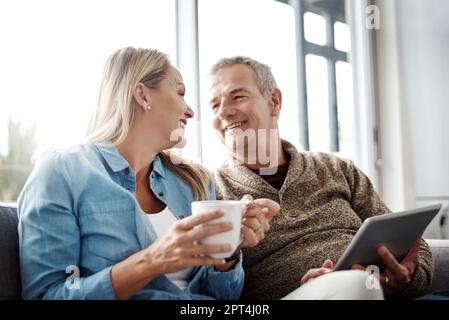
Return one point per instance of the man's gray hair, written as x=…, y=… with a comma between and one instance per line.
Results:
x=264, y=77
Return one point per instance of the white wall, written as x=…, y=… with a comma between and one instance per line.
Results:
x=413, y=102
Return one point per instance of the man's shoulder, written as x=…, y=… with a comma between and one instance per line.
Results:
x=331, y=163
x=324, y=157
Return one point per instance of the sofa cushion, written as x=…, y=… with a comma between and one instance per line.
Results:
x=440, y=253
x=10, y=287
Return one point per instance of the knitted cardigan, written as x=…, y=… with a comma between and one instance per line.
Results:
x=324, y=200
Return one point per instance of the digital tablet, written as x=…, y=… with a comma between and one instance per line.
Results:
x=397, y=231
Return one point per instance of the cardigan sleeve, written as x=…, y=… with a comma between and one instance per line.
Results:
x=367, y=203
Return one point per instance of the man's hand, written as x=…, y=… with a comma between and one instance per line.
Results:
x=396, y=275
x=328, y=266
x=256, y=219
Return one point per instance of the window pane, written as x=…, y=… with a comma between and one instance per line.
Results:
x=342, y=35
x=315, y=28
x=318, y=103
x=51, y=63
x=247, y=35
x=345, y=109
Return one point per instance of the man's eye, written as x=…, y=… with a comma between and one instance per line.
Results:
x=239, y=97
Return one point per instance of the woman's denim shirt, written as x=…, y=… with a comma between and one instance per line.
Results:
x=78, y=216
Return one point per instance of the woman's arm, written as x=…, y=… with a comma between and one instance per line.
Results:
x=50, y=244
x=49, y=238
x=175, y=251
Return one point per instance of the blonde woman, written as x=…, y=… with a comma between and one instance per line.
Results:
x=111, y=218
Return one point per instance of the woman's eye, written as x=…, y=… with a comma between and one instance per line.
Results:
x=239, y=97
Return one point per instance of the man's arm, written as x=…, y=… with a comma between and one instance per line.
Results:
x=366, y=203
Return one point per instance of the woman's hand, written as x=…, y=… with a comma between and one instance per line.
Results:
x=178, y=248
x=175, y=251
x=328, y=266
x=257, y=216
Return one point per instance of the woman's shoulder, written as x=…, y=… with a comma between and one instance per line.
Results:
x=60, y=163
x=57, y=157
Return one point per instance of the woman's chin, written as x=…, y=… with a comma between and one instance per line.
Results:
x=177, y=138
x=181, y=144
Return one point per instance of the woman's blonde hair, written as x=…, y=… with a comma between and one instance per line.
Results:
x=115, y=109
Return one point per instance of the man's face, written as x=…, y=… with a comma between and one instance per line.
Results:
x=238, y=105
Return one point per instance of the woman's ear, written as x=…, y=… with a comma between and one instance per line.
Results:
x=142, y=97
x=276, y=100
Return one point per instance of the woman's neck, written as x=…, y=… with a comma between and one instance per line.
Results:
x=139, y=154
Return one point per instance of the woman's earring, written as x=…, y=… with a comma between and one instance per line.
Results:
x=148, y=107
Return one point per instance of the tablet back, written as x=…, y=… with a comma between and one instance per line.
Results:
x=397, y=231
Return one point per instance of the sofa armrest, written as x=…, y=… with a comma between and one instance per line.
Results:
x=440, y=252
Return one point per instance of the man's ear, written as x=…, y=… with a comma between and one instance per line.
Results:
x=276, y=102
x=142, y=96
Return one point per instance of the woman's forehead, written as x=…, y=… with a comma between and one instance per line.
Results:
x=174, y=75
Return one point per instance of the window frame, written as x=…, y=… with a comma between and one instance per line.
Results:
x=332, y=12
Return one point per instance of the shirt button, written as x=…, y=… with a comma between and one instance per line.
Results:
x=294, y=213
x=152, y=176
x=161, y=194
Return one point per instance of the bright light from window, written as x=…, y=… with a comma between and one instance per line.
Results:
x=315, y=28
x=346, y=129
x=318, y=103
x=342, y=36
x=233, y=27
x=54, y=51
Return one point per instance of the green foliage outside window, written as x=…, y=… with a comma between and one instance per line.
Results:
x=16, y=165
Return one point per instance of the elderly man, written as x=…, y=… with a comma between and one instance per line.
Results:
x=324, y=199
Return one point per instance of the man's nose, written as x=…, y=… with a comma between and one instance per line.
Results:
x=225, y=110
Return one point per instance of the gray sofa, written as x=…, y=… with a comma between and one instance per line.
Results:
x=10, y=273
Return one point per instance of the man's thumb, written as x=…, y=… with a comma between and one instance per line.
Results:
x=328, y=264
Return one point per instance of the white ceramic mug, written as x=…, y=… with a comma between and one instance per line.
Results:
x=232, y=213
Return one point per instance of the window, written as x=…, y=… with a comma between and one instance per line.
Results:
x=51, y=62
x=324, y=37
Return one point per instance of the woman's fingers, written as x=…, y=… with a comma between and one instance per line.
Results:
x=192, y=221
x=203, y=231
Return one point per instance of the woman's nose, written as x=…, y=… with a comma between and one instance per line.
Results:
x=189, y=112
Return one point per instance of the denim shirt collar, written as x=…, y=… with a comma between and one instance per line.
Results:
x=117, y=163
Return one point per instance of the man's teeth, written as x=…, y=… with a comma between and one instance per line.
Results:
x=235, y=125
